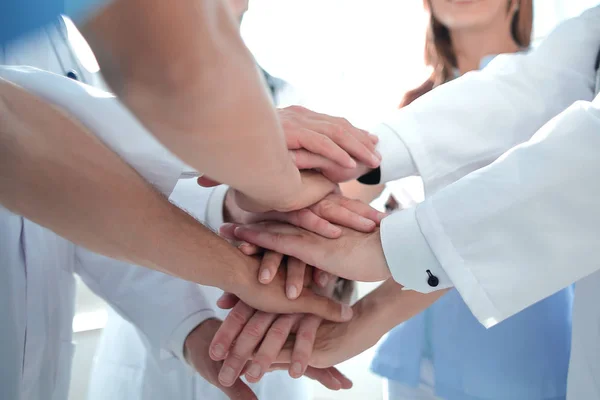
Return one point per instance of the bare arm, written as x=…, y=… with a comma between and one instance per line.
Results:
x=195, y=86
x=54, y=172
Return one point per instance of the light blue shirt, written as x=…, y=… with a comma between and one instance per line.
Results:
x=17, y=17
x=523, y=358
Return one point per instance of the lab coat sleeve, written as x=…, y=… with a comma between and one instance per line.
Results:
x=104, y=116
x=163, y=308
x=524, y=227
x=468, y=123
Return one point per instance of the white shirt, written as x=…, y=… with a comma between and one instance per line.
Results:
x=509, y=160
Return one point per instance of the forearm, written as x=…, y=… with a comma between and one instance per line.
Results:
x=389, y=305
x=186, y=80
x=55, y=173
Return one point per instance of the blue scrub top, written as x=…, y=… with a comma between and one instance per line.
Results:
x=524, y=358
x=17, y=17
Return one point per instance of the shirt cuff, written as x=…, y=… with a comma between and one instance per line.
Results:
x=396, y=160
x=408, y=255
x=177, y=339
x=214, y=210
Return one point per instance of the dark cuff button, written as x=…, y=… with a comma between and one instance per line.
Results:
x=72, y=75
x=371, y=178
x=433, y=280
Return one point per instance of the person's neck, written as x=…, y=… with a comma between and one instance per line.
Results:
x=471, y=46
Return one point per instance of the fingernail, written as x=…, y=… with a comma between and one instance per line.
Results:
x=375, y=160
x=292, y=292
x=351, y=163
x=227, y=375
x=378, y=155
x=254, y=371
x=346, y=312
x=296, y=370
x=367, y=222
x=339, y=384
x=374, y=138
x=323, y=279
x=334, y=230
x=218, y=350
x=265, y=276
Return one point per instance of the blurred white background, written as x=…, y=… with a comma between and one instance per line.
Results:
x=352, y=58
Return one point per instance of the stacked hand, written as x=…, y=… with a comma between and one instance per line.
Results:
x=323, y=229
x=196, y=352
x=328, y=149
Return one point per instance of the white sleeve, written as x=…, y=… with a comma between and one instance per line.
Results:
x=103, y=114
x=467, y=123
x=163, y=308
x=524, y=227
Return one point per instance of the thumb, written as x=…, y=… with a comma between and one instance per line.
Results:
x=326, y=308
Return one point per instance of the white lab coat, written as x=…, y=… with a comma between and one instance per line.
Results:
x=39, y=265
x=526, y=224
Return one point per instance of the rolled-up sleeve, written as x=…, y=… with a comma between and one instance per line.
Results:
x=108, y=119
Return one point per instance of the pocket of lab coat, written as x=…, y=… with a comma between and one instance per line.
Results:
x=63, y=370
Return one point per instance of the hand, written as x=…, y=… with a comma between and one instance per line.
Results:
x=354, y=255
x=332, y=138
x=318, y=218
x=297, y=277
x=196, y=352
x=244, y=330
x=374, y=315
x=334, y=172
x=272, y=298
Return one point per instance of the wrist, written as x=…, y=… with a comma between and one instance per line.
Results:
x=200, y=336
x=379, y=265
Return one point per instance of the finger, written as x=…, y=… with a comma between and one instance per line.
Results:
x=362, y=151
x=227, y=301
x=318, y=143
x=321, y=277
x=336, y=213
x=205, y=181
x=359, y=208
x=244, y=346
x=282, y=238
x=226, y=231
x=308, y=220
x=229, y=330
x=249, y=249
x=303, y=348
x=374, y=138
x=268, y=266
x=331, y=310
x=346, y=383
x=361, y=135
x=305, y=159
x=324, y=377
x=271, y=346
x=295, y=278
